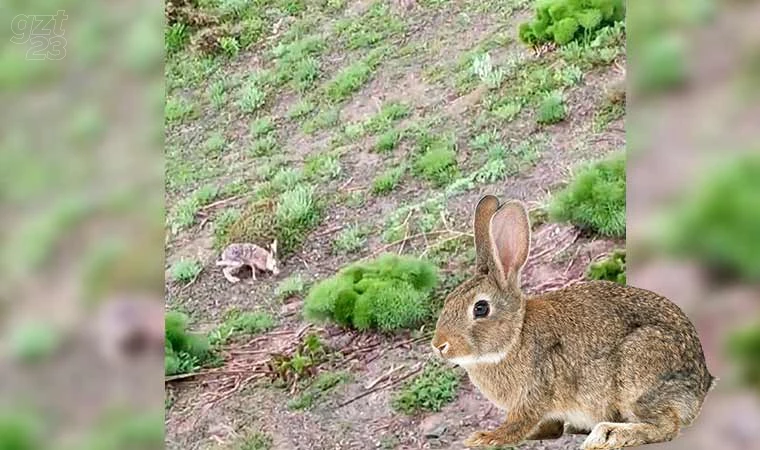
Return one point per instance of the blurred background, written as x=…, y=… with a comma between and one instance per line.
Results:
x=693, y=202
x=82, y=215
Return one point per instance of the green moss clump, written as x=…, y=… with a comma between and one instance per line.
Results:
x=388, y=293
x=563, y=21
x=595, y=199
x=185, y=351
x=611, y=268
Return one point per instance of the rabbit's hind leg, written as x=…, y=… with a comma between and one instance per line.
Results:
x=227, y=271
x=547, y=429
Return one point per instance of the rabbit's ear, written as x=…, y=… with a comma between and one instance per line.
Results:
x=509, y=235
x=273, y=248
x=483, y=213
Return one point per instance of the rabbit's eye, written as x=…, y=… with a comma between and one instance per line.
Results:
x=480, y=309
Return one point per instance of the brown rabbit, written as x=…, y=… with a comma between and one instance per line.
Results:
x=236, y=256
x=618, y=362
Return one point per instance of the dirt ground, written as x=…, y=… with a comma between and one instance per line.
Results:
x=433, y=40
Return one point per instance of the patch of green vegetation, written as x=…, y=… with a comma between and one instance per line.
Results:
x=507, y=111
x=20, y=431
x=215, y=143
x=661, y=62
x=319, y=390
x=176, y=37
x=719, y=221
x=387, y=293
x=217, y=94
x=502, y=161
x=251, y=97
x=286, y=178
x=264, y=146
x=568, y=75
x=387, y=181
x=290, y=286
x=595, y=199
x=743, y=347
x=416, y=218
x=351, y=78
x=369, y=29
x=177, y=109
x=302, y=363
x=429, y=391
x=185, y=270
x=322, y=166
x=256, y=441
x=490, y=75
x=350, y=239
x=562, y=21
x=222, y=225
x=552, y=108
x=327, y=117
x=612, y=109
x=184, y=351
x=237, y=323
x=354, y=199
x=33, y=342
x=297, y=62
x=611, y=268
x=437, y=163
x=298, y=207
x=389, y=113
x=124, y=428
x=387, y=141
x=229, y=46
x=608, y=44
x=301, y=109
x=261, y=127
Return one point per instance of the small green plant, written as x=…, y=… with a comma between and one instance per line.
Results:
x=388, y=293
x=264, y=146
x=288, y=369
x=348, y=80
x=185, y=270
x=562, y=21
x=177, y=109
x=387, y=141
x=218, y=94
x=286, y=178
x=229, y=45
x=569, y=75
x=718, y=223
x=184, y=351
x=507, y=111
x=744, y=349
x=20, y=430
x=256, y=441
x=290, y=286
x=305, y=74
x=239, y=323
x=318, y=391
x=429, y=391
x=222, y=225
x=484, y=69
x=325, y=118
x=389, y=113
x=34, y=341
x=262, y=127
x=176, y=37
x=215, y=143
x=323, y=166
x=371, y=28
x=552, y=108
x=301, y=109
x=297, y=206
x=388, y=180
x=438, y=163
x=611, y=268
x=251, y=97
x=595, y=199
x=350, y=239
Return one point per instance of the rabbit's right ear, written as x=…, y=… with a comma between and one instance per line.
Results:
x=509, y=236
x=483, y=213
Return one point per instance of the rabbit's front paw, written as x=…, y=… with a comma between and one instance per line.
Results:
x=606, y=436
x=485, y=439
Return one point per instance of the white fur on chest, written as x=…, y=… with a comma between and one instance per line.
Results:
x=578, y=419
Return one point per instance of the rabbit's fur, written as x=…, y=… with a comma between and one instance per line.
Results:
x=621, y=363
x=236, y=256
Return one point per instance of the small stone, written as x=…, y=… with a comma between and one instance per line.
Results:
x=433, y=427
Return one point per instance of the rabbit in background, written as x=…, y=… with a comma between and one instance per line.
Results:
x=621, y=364
x=236, y=256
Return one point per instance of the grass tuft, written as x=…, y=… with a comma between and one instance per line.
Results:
x=388, y=293
x=350, y=239
x=428, y=392
x=612, y=268
x=438, y=162
x=387, y=181
x=552, y=108
x=595, y=199
x=185, y=270
x=185, y=352
x=238, y=323
x=290, y=286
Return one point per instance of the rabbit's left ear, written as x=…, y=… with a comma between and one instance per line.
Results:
x=273, y=248
x=509, y=236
